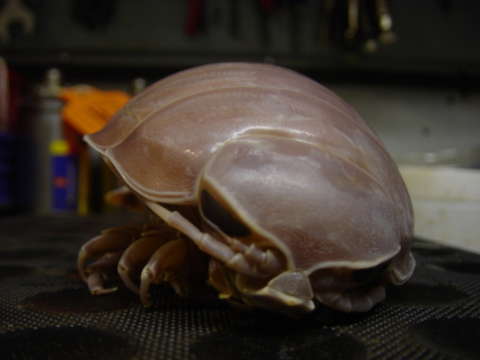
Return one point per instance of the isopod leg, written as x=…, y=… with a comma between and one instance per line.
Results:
x=167, y=264
x=113, y=240
x=233, y=258
x=137, y=255
x=123, y=197
x=219, y=278
x=266, y=261
x=100, y=271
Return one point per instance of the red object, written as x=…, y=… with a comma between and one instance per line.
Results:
x=268, y=5
x=17, y=89
x=60, y=182
x=195, y=17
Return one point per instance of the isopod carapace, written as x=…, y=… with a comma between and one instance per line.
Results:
x=278, y=182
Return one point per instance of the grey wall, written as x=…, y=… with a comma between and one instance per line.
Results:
x=421, y=125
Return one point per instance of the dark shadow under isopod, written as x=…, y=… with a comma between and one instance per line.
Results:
x=462, y=267
x=256, y=339
x=79, y=301
x=417, y=293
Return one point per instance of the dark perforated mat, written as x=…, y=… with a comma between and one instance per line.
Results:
x=46, y=312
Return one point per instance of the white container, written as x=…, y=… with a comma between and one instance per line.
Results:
x=446, y=203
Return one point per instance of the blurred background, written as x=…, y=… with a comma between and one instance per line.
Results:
x=411, y=68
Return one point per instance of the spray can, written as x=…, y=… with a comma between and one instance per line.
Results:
x=64, y=177
x=54, y=174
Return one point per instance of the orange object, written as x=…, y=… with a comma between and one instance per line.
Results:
x=88, y=109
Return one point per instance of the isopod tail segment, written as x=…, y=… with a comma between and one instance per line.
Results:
x=248, y=261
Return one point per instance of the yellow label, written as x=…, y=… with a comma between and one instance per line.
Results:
x=59, y=147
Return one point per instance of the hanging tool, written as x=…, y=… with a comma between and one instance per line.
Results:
x=4, y=96
x=324, y=14
x=385, y=23
x=15, y=12
x=337, y=23
x=293, y=19
x=94, y=14
x=195, y=20
x=351, y=31
x=268, y=5
x=6, y=143
x=234, y=19
x=368, y=31
x=265, y=9
x=445, y=5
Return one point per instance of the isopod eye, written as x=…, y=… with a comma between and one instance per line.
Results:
x=219, y=216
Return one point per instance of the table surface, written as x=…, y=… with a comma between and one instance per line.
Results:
x=46, y=311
